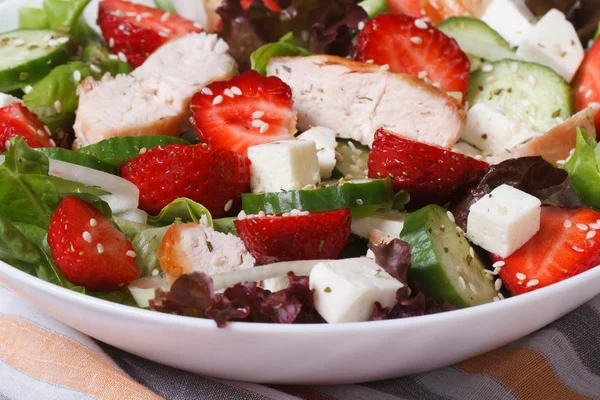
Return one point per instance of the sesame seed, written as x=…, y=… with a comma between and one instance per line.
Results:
x=40, y=132
x=361, y=25
x=242, y=215
x=295, y=213
x=304, y=213
x=138, y=18
x=52, y=142
x=131, y=253
x=496, y=298
x=369, y=61
x=590, y=234
x=121, y=27
x=437, y=85
x=497, y=270
x=264, y=128
x=163, y=34
x=112, y=57
x=111, y=43
x=594, y=226
x=122, y=57
x=197, y=25
x=143, y=150
x=500, y=296
x=498, y=284
x=62, y=40
x=459, y=229
x=257, y=123
x=95, y=68
x=559, y=120
x=532, y=283
x=262, y=214
x=100, y=248
x=165, y=16
x=207, y=91
x=285, y=214
x=582, y=227
x=87, y=236
x=462, y=283
x=472, y=252
x=93, y=222
x=360, y=202
x=28, y=89
x=228, y=205
x=236, y=90
x=498, y=264
x=487, y=68
x=7, y=145
x=258, y=114
x=588, y=94
x=568, y=224
x=521, y=276
x=217, y=100
x=419, y=23
x=416, y=40
x=450, y=216
x=385, y=67
x=228, y=93
x=57, y=106
x=155, y=272
x=422, y=75
x=473, y=288
x=47, y=37
x=18, y=42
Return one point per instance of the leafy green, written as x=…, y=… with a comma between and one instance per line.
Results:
x=16, y=249
x=374, y=7
x=597, y=33
x=130, y=228
x=68, y=14
x=183, y=209
x=146, y=245
x=583, y=169
x=225, y=225
x=165, y=5
x=33, y=18
x=98, y=55
x=286, y=47
x=401, y=199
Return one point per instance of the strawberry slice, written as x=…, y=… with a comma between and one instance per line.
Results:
x=567, y=244
x=313, y=236
x=430, y=174
x=17, y=120
x=89, y=250
x=587, y=81
x=136, y=30
x=414, y=8
x=212, y=177
x=247, y=110
x=415, y=47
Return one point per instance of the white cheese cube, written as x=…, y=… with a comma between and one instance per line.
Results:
x=389, y=223
x=284, y=165
x=492, y=132
x=7, y=100
x=510, y=18
x=346, y=290
x=504, y=220
x=324, y=138
x=553, y=42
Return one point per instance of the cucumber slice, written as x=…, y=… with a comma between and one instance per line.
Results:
x=442, y=260
x=79, y=159
x=364, y=196
x=29, y=55
x=117, y=151
x=531, y=93
x=351, y=158
x=477, y=39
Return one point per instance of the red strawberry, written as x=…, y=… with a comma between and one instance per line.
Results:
x=587, y=81
x=314, y=236
x=414, y=8
x=136, y=30
x=414, y=47
x=559, y=250
x=430, y=174
x=260, y=112
x=17, y=120
x=88, y=249
x=210, y=176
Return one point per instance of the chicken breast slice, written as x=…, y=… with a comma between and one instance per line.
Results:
x=194, y=247
x=355, y=99
x=155, y=98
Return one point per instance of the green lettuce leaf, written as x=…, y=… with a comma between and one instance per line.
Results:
x=16, y=249
x=286, y=47
x=374, y=7
x=165, y=5
x=583, y=169
x=68, y=14
x=33, y=18
x=225, y=225
x=98, y=55
x=182, y=209
x=146, y=245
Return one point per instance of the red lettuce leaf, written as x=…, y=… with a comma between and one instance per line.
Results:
x=322, y=27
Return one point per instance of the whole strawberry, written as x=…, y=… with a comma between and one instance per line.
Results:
x=88, y=249
x=212, y=177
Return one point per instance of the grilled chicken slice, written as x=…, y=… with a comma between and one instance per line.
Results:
x=355, y=99
x=155, y=98
x=199, y=248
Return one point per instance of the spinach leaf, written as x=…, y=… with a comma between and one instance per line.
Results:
x=183, y=209
x=583, y=169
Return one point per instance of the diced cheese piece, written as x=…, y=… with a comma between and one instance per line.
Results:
x=346, y=290
x=324, y=138
x=284, y=165
x=7, y=100
x=492, y=132
x=510, y=18
x=504, y=220
x=554, y=42
x=389, y=222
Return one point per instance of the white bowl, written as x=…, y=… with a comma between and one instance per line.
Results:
x=307, y=354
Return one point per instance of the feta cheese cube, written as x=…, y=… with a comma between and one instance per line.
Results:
x=346, y=290
x=510, y=18
x=389, y=223
x=284, y=165
x=504, y=220
x=7, y=100
x=324, y=138
x=492, y=132
x=553, y=42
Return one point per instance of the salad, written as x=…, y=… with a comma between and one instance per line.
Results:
x=294, y=161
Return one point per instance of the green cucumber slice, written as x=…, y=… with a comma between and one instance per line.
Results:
x=84, y=160
x=477, y=39
x=27, y=55
x=117, y=151
x=442, y=260
x=529, y=92
x=352, y=159
x=363, y=196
